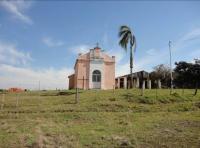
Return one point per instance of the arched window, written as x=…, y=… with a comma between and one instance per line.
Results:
x=96, y=76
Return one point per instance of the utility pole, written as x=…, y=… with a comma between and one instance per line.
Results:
x=171, y=77
x=39, y=85
x=39, y=89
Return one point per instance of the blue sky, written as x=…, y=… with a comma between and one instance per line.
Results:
x=40, y=40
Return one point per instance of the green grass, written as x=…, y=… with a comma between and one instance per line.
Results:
x=101, y=119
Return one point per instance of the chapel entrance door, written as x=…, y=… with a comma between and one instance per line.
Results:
x=96, y=79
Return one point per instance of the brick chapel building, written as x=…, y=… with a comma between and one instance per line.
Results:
x=93, y=70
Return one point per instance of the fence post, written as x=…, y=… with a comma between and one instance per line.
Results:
x=77, y=96
x=114, y=91
x=2, y=101
x=17, y=99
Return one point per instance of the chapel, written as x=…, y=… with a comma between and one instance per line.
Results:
x=93, y=70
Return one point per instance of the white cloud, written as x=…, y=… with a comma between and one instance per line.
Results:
x=118, y=53
x=50, y=78
x=194, y=34
x=187, y=39
x=15, y=73
x=9, y=54
x=151, y=51
x=80, y=49
x=17, y=9
x=51, y=42
x=122, y=69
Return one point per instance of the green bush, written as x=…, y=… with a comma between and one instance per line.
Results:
x=146, y=100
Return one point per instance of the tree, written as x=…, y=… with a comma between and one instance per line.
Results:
x=182, y=74
x=161, y=72
x=128, y=38
x=195, y=70
x=187, y=75
x=197, y=61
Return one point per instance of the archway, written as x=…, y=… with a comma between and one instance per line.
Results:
x=96, y=79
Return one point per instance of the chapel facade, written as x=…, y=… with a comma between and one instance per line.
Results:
x=93, y=70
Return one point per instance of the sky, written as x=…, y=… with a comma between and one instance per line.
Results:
x=40, y=40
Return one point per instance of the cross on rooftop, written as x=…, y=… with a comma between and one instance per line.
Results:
x=97, y=45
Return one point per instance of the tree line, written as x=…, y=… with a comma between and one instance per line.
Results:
x=185, y=75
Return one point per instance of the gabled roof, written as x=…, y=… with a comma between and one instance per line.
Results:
x=71, y=75
x=87, y=56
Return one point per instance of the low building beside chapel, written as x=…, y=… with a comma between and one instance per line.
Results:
x=93, y=70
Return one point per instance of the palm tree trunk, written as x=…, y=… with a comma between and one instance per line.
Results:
x=131, y=66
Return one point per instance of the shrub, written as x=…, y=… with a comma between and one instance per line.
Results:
x=146, y=100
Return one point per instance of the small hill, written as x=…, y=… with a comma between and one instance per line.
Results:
x=120, y=118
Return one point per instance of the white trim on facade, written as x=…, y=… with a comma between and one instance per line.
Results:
x=96, y=64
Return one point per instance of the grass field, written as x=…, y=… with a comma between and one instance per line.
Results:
x=101, y=119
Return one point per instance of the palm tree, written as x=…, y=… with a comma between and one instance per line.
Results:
x=128, y=38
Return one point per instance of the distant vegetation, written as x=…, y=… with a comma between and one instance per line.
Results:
x=161, y=72
x=185, y=75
